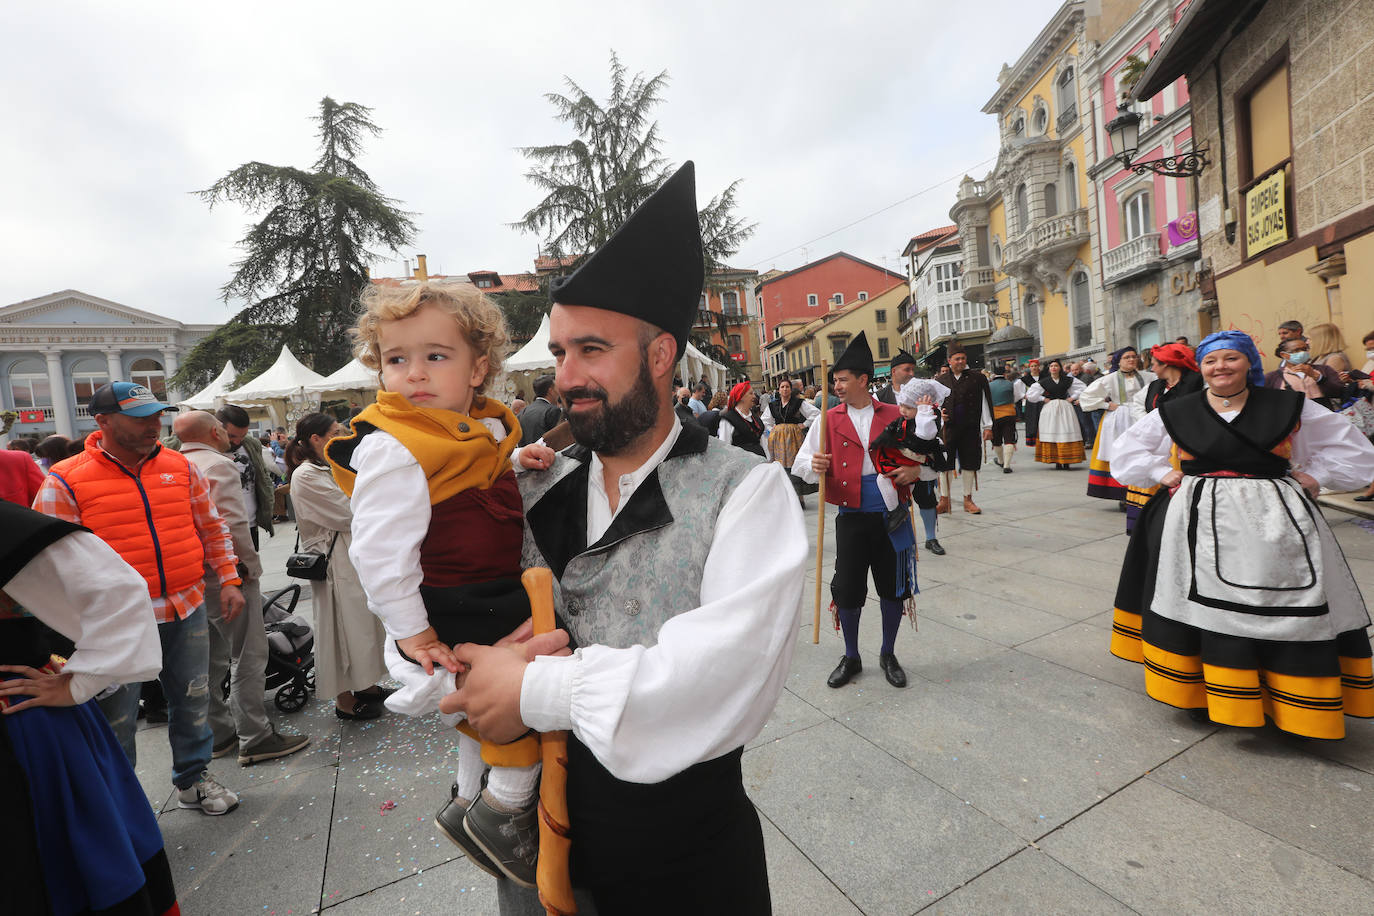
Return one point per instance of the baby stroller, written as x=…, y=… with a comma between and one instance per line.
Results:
x=290, y=650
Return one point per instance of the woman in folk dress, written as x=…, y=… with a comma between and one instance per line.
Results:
x=1247, y=608
x=1113, y=393
x=1060, y=441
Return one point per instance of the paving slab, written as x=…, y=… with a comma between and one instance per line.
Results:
x=454, y=887
x=993, y=619
x=1158, y=851
x=1029, y=881
x=1067, y=757
x=1270, y=783
x=268, y=854
x=390, y=786
x=798, y=887
x=1075, y=571
x=886, y=835
x=1023, y=588
x=1109, y=550
x=791, y=715
x=1084, y=647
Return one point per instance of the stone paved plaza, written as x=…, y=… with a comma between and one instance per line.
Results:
x=1024, y=770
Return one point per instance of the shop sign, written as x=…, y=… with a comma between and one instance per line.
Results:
x=1266, y=215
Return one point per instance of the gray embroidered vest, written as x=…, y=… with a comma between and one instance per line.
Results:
x=648, y=565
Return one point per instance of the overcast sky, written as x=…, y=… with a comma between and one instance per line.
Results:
x=115, y=112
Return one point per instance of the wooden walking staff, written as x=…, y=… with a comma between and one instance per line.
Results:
x=551, y=874
x=820, y=509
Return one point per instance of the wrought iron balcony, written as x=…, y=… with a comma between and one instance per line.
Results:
x=1131, y=259
x=1067, y=119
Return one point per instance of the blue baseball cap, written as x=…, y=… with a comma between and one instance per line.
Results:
x=128, y=398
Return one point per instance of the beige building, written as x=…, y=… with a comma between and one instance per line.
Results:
x=799, y=346
x=1283, y=103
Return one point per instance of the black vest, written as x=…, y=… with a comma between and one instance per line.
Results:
x=24, y=534
x=791, y=412
x=1056, y=391
x=1245, y=445
x=1159, y=391
x=748, y=434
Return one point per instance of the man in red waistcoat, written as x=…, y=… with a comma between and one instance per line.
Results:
x=873, y=528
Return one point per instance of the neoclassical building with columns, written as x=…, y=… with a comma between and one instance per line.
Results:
x=56, y=350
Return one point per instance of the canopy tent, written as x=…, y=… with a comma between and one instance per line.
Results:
x=535, y=354
x=694, y=364
x=205, y=398
x=280, y=389
x=353, y=376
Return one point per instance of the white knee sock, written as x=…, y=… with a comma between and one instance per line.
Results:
x=944, y=484
x=969, y=479
x=469, y=767
x=1007, y=451
x=514, y=788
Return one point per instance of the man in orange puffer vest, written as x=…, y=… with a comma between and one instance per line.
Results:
x=153, y=507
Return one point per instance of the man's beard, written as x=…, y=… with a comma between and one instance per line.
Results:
x=611, y=428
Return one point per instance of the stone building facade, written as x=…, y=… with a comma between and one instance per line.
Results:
x=56, y=350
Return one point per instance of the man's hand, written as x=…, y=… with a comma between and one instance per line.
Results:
x=1111, y=406
x=905, y=475
x=428, y=651
x=1308, y=483
x=820, y=462
x=925, y=400
x=987, y=435
x=1171, y=479
x=231, y=602
x=42, y=687
x=537, y=457
x=490, y=694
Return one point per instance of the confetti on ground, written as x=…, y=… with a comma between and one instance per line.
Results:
x=386, y=806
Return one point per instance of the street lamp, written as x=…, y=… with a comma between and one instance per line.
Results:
x=1124, y=130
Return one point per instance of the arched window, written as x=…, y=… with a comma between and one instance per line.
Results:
x=1022, y=209
x=1135, y=216
x=1146, y=335
x=996, y=253
x=88, y=375
x=1070, y=186
x=1066, y=95
x=1041, y=119
x=29, y=385
x=1051, y=200
x=149, y=374
x=1017, y=124
x=1082, y=310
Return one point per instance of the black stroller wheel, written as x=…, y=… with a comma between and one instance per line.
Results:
x=292, y=695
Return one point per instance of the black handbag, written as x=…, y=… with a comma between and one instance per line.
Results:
x=312, y=566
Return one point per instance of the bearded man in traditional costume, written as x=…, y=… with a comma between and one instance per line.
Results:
x=685, y=630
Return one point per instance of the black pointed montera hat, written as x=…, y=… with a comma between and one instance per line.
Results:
x=652, y=268
x=857, y=357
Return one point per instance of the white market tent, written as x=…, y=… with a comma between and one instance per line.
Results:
x=278, y=389
x=694, y=364
x=205, y=398
x=535, y=354
x=353, y=376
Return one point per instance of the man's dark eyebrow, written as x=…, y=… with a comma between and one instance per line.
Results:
x=578, y=341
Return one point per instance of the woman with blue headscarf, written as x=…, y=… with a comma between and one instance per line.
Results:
x=1248, y=609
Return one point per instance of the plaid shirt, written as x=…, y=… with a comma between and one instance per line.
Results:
x=56, y=500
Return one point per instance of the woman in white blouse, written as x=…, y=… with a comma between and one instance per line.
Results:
x=1238, y=594
x=1060, y=441
x=349, y=639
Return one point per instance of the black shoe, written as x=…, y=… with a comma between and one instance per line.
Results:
x=1006, y=470
x=1367, y=497
x=934, y=547
x=449, y=820
x=895, y=675
x=997, y=461
x=846, y=669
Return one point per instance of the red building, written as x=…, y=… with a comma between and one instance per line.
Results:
x=806, y=293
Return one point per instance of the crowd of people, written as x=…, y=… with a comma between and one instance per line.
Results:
x=416, y=516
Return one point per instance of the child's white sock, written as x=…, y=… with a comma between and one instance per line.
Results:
x=513, y=788
x=469, y=767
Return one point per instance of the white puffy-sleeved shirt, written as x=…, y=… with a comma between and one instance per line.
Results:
x=711, y=681
x=84, y=590
x=1036, y=395
x=1326, y=446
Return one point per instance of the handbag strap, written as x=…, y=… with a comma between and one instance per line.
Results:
x=332, y=541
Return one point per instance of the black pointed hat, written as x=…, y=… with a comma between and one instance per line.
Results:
x=652, y=268
x=857, y=357
x=901, y=359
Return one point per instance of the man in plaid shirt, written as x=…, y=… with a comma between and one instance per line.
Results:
x=154, y=508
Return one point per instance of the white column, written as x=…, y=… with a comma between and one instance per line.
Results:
x=113, y=367
x=169, y=366
x=57, y=384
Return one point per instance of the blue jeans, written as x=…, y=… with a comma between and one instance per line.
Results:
x=185, y=679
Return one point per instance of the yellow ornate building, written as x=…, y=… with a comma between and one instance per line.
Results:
x=1026, y=229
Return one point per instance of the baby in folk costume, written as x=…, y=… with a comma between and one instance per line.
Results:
x=901, y=444
x=437, y=531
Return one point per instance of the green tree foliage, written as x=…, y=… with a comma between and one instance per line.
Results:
x=593, y=183
x=303, y=262
x=523, y=311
